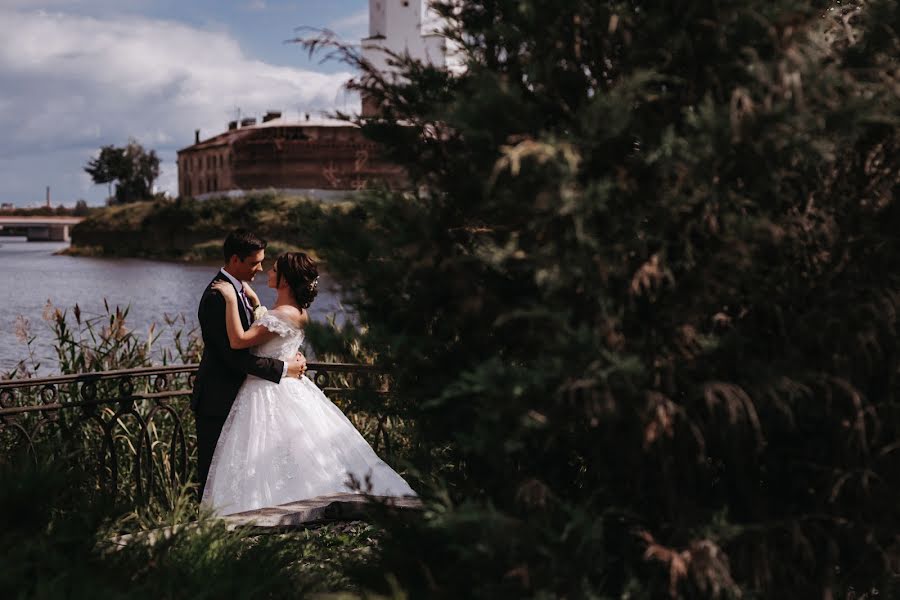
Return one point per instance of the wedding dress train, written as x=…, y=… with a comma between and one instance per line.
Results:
x=286, y=442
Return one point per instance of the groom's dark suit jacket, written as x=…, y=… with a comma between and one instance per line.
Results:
x=223, y=370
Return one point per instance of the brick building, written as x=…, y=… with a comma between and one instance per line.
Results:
x=316, y=157
x=321, y=156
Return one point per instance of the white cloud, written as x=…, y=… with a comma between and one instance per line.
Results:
x=69, y=84
x=352, y=27
x=256, y=5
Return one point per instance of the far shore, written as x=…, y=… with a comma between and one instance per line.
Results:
x=192, y=231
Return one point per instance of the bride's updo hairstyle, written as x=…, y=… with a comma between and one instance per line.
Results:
x=301, y=274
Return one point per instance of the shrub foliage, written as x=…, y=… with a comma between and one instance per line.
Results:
x=641, y=305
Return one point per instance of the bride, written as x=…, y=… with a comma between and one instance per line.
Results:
x=284, y=442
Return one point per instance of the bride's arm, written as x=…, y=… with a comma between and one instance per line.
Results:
x=237, y=337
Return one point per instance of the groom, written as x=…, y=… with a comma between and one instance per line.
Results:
x=223, y=370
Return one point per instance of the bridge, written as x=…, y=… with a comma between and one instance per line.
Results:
x=39, y=229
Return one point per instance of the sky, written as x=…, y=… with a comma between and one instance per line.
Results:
x=76, y=75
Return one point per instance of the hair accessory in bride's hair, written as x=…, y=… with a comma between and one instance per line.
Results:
x=302, y=275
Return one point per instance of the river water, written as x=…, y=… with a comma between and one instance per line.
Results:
x=31, y=275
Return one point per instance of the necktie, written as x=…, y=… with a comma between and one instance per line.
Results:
x=246, y=302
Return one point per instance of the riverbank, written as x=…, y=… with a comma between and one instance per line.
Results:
x=188, y=230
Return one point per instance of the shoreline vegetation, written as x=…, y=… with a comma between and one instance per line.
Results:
x=189, y=230
x=64, y=524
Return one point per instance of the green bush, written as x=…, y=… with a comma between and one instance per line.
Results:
x=641, y=306
x=188, y=229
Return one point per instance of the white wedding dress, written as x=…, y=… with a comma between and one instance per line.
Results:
x=286, y=442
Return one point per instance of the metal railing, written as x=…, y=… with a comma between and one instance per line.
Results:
x=138, y=420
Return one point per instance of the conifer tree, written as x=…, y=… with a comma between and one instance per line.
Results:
x=642, y=304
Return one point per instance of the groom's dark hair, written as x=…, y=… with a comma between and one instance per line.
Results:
x=243, y=243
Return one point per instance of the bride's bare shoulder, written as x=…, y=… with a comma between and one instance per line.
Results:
x=293, y=315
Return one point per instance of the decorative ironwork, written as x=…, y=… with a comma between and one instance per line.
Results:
x=131, y=424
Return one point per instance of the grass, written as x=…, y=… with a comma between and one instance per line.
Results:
x=58, y=535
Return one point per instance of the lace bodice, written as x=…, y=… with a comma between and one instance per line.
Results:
x=285, y=345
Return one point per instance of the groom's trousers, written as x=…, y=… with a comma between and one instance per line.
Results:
x=209, y=427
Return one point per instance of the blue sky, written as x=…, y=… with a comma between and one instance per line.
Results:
x=259, y=26
x=79, y=74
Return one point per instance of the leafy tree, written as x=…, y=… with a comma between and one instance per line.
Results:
x=641, y=304
x=131, y=168
x=107, y=167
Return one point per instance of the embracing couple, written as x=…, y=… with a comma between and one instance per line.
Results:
x=266, y=434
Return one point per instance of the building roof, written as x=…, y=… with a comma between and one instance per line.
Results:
x=230, y=135
x=311, y=122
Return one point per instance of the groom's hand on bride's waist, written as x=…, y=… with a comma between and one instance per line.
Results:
x=297, y=367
